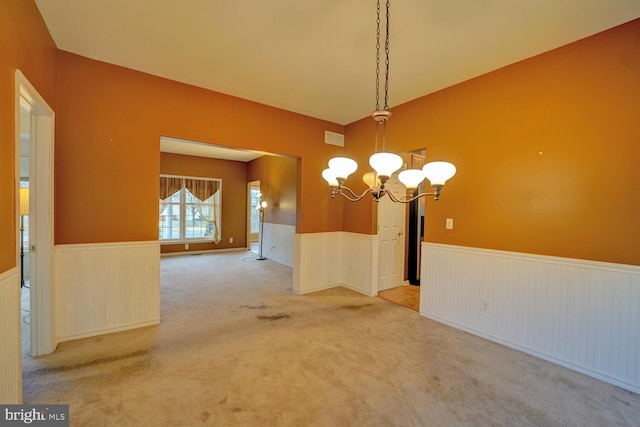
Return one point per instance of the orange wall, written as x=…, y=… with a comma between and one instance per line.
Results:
x=359, y=138
x=25, y=44
x=278, y=183
x=109, y=122
x=234, y=196
x=576, y=105
x=547, y=152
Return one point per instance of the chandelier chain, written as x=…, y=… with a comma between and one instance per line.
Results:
x=378, y=58
x=386, y=61
x=386, y=76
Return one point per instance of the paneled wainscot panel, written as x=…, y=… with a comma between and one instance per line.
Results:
x=584, y=315
x=106, y=287
x=327, y=260
x=278, y=242
x=11, y=348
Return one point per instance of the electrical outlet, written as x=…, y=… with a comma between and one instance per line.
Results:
x=449, y=224
x=186, y=246
x=230, y=239
x=484, y=307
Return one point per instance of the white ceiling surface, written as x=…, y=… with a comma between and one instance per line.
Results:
x=317, y=57
x=202, y=149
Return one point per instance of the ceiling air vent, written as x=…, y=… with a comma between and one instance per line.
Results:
x=333, y=138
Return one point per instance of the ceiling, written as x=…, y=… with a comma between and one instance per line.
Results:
x=318, y=57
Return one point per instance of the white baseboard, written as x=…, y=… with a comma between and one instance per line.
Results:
x=121, y=328
x=208, y=251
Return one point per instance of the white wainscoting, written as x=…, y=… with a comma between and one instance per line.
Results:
x=10, y=331
x=583, y=315
x=277, y=244
x=360, y=262
x=317, y=262
x=106, y=287
x=327, y=260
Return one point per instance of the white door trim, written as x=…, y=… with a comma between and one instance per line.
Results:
x=42, y=325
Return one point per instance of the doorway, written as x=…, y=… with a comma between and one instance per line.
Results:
x=34, y=173
x=415, y=221
x=253, y=216
x=391, y=236
x=400, y=234
x=25, y=149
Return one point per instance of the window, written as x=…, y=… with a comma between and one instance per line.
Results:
x=189, y=209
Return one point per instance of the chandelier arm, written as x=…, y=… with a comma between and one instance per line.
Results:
x=409, y=199
x=394, y=198
x=352, y=197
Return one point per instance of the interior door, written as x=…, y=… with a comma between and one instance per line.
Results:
x=391, y=231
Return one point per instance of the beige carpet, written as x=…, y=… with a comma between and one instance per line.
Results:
x=237, y=348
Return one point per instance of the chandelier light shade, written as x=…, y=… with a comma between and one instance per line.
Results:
x=385, y=164
x=330, y=176
x=438, y=172
x=411, y=178
x=371, y=179
x=342, y=167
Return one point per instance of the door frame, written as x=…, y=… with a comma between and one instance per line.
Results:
x=40, y=210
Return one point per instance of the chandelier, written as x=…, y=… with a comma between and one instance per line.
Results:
x=385, y=164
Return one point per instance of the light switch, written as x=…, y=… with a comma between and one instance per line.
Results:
x=449, y=224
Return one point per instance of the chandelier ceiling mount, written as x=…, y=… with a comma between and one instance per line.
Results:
x=385, y=164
